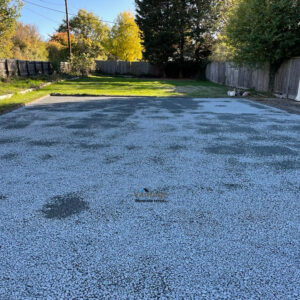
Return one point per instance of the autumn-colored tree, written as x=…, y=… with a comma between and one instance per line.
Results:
x=28, y=44
x=9, y=12
x=58, y=48
x=91, y=36
x=90, y=32
x=125, y=42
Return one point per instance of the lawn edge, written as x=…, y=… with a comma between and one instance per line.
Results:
x=132, y=96
x=18, y=106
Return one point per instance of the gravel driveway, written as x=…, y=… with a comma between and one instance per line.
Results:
x=147, y=198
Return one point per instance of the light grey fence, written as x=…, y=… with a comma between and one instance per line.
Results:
x=286, y=81
x=13, y=67
x=127, y=68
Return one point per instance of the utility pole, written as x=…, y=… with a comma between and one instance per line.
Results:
x=68, y=30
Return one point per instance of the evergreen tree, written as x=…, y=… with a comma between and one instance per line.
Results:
x=177, y=30
x=156, y=21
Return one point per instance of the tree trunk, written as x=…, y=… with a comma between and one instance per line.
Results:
x=272, y=74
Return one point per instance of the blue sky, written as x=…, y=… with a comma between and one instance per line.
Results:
x=47, y=21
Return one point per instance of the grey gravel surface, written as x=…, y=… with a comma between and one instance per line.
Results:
x=73, y=168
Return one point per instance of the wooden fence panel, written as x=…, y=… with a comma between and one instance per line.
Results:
x=124, y=68
x=287, y=79
x=3, y=72
x=23, y=69
x=13, y=67
x=39, y=67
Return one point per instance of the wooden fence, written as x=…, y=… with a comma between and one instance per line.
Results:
x=287, y=81
x=127, y=68
x=13, y=67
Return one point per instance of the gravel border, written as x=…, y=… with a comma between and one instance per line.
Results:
x=288, y=105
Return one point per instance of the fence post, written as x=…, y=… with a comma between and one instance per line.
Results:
x=42, y=64
x=18, y=68
x=27, y=68
x=288, y=78
x=35, y=69
x=6, y=68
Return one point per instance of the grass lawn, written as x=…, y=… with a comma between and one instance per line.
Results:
x=119, y=86
x=15, y=85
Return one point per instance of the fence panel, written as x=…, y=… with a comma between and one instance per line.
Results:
x=122, y=67
x=23, y=69
x=3, y=72
x=287, y=79
x=13, y=67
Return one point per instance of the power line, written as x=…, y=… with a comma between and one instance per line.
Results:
x=34, y=12
x=46, y=7
x=55, y=4
x=60, y=11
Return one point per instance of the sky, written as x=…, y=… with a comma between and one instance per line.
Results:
x=47, y=21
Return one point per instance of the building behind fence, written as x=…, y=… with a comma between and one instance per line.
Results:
x=13, y=67
x=287, y=80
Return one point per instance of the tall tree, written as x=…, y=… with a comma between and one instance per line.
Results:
x=28, y=44
x=57, y=47
x=264, y=31
x=155, y=19
x=90, y=32
x=125, y=42
x=9, y=12
x=176, y=30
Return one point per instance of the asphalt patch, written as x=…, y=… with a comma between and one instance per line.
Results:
x=112, y=159
x=9, y=156
x=43, y=143
x=86, y=146
x=133, y=147
x=64, y=206
x=4, y=141
x=285, y=165
x=18, y=125
x=46, y=157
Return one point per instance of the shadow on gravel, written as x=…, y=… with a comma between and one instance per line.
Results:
x=64, y=206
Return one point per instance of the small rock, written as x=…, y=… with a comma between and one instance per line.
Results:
x=231, y=93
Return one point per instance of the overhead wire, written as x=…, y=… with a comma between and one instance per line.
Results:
x=60, y=11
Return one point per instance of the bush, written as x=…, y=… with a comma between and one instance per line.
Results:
x=83, y=64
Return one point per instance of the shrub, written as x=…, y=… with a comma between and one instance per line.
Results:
x=83, y=64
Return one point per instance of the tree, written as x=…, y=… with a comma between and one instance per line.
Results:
x=9, y=12
x=155, y=20
x=178, y=31
x=90, y=32
x=58, y=48
x=264, y=31
x=125, y=42
x=27, y=43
